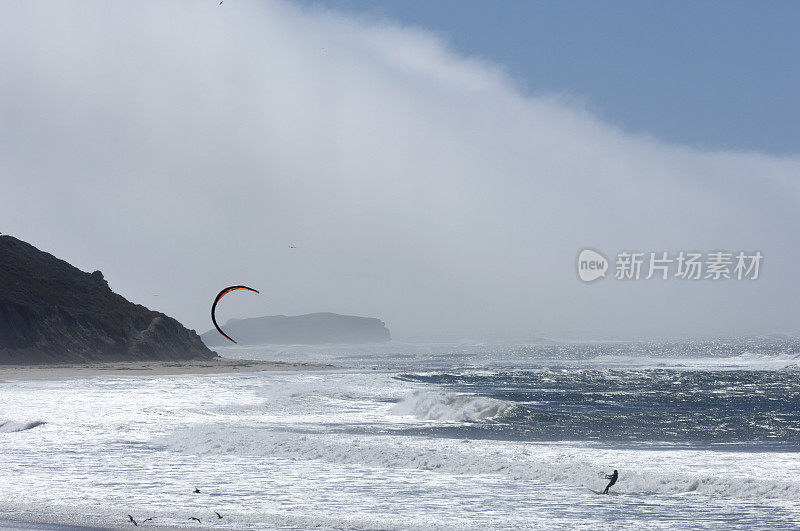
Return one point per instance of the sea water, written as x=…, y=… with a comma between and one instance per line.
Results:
x=704, y=434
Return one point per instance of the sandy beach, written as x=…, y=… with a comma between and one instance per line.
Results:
x=151, y=368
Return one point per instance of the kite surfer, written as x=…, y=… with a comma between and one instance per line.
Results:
x=613, y=477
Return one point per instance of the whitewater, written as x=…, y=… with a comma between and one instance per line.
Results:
x=419, y=436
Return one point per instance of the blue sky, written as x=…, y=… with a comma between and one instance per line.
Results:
x=716, y=75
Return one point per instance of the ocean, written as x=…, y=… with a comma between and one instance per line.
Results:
x=705, y=434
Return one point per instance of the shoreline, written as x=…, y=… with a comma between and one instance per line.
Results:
x=217, y=365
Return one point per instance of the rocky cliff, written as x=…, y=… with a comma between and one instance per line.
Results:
x=313, y=328
x=52, y=312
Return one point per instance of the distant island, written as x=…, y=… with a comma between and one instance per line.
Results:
x=52, y=312
x=313, y=328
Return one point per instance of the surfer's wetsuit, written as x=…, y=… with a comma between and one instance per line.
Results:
x=613, y=477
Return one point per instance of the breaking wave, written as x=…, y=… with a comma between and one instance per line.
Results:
x=10, y=426
x=430, y=405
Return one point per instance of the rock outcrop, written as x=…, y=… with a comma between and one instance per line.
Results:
x=52, y=312
x=313, y=328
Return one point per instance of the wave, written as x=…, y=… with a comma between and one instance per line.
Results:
x=744, y=361
x=10, y=426
x=647, y=472
x=430, y=405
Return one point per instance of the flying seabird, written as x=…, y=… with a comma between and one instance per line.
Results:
x=196, y=490
x=148, y=519
x=132, y=520
x=219, y=516
x=195, y=518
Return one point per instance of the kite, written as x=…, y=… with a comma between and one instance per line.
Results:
x=214, y=306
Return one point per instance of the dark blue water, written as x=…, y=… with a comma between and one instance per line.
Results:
x=726, y=392
x=706, y=407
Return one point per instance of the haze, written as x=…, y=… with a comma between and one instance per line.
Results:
x=183, y=147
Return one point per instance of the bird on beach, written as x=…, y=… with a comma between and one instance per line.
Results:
x=196, y=490
x=132, y=520
x=195, y=518
x=219, y=516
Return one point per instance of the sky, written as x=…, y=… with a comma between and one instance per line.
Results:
x=714, y=75
x=441, y=182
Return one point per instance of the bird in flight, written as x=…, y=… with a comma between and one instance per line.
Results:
x=292, y=247
x=132, y=520
x=196, y=490
x=219, y=516
x=148, y=519
x=195, y=518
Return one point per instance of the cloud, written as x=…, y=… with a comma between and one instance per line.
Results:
x=184, y=146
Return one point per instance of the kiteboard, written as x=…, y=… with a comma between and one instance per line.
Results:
x=601, y=492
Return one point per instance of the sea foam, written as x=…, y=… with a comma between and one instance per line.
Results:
x=647, y=472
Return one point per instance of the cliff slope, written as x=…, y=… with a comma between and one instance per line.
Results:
x=52, y=312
